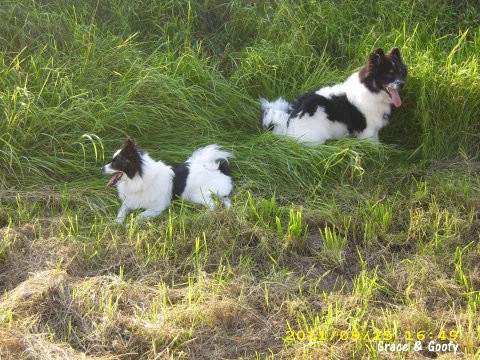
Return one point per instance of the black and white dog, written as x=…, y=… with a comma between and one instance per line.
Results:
x=360, y=106
x=144, y=183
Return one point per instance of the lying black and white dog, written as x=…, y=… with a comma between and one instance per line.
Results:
x=144, y=183
x=360, y=106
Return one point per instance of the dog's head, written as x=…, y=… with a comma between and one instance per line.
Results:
x=126, y=161
x=385, y=72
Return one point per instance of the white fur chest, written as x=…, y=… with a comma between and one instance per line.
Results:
x=376, y=107
x=151, y=190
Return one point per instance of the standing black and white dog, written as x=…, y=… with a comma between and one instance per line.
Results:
x=360, y=106
x=144, y=183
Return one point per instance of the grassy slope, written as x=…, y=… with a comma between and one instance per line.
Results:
x=353, y=236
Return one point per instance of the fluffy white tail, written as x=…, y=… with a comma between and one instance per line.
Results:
x=275, y=114
x=210, y=156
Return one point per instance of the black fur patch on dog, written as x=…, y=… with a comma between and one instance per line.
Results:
x=181, y=172
x=224, y=167
x=337, y=108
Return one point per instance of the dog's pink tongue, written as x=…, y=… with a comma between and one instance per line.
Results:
x=395, y=97
x=114, y=179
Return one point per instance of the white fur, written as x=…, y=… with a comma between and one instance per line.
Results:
x=153, y=190
x=318, y=128
x=275, y=113
x=205, y=178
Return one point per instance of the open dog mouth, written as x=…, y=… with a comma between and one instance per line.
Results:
x=115, y=179
x=394, y=95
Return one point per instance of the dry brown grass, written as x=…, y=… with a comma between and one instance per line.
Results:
x=54, y=309
x=66, y=298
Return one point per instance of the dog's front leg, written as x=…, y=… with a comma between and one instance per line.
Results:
x=122, y=213
x=147, y=214
x=368, y=134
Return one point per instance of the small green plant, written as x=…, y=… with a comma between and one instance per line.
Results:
x=333, y=247
x=462, y=277
x=295, y=233
x=264, y=212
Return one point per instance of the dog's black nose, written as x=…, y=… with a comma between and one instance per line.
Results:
x=400, y=84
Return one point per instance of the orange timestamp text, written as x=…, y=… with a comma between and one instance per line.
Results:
x=368, y=335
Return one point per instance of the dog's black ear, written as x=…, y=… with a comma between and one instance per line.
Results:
x=376, y=58
x=129, y=143
x=395, y=53
x=379, y=52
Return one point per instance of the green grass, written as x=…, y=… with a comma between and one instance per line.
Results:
x=326, y=251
